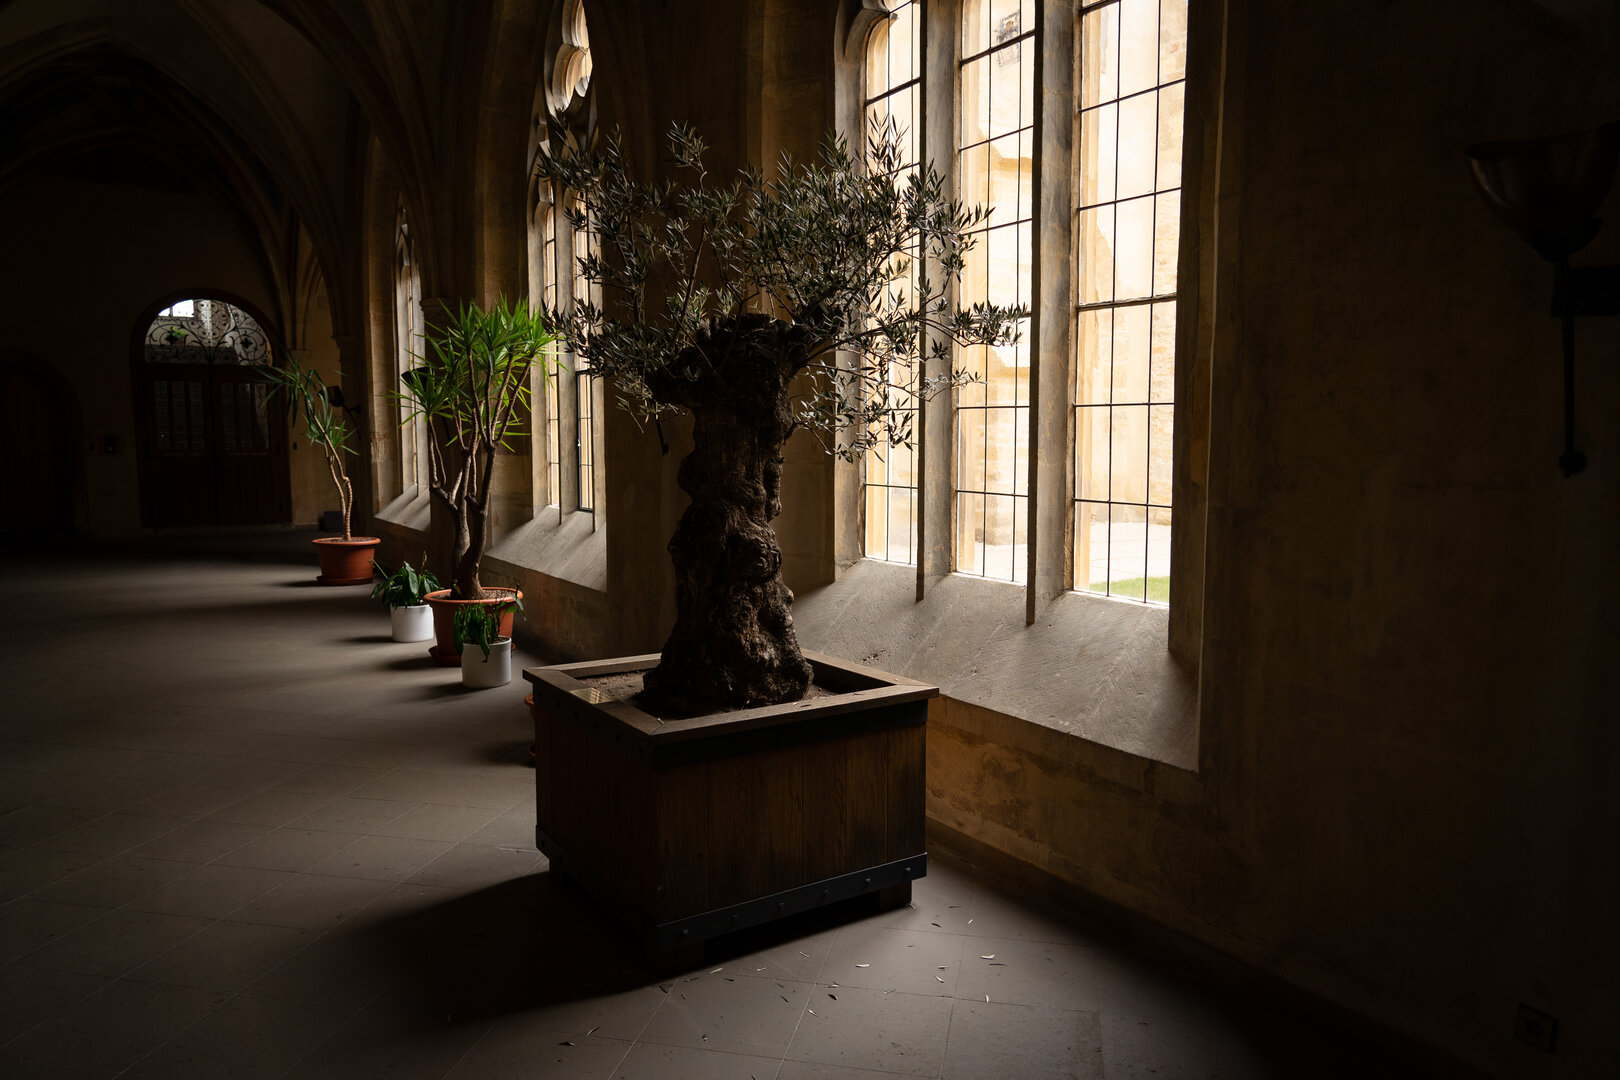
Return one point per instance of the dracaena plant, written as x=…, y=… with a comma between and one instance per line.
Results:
x=406, y=586
x=326, y=425
x=817, y=297
x=472, y=389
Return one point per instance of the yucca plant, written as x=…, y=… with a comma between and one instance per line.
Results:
x=716, y=299
x=472, y=388
x=326, y=425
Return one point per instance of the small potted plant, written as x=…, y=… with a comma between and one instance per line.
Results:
x=405, y=592
x=472, y=389
x=176, y=335
x=346, y=559
x=480, y=625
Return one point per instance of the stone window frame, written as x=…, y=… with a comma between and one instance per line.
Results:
x=409, y=321
x=1051, y=469
x=570, y=406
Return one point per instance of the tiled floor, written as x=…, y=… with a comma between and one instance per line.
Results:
x=244, y=835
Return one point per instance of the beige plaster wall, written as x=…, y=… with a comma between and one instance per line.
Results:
x=1404, y=800
x=85, y=260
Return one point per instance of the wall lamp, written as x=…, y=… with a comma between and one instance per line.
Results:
x=1548, y=191
x=334, y=398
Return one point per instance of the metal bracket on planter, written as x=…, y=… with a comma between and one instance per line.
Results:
x=694, y=928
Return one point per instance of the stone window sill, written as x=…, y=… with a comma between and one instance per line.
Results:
x=1090, y=667
x=570, y=547
x=413, y=509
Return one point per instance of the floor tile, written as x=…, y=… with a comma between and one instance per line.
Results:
x=720, y=1012
x=27, y=925
x=333, y=780
x=810, y=1070
x=212, y=891
x=224, y=956
x=116, y=942
x=287, y=849
x=476, y=865
x=113, y=834
x=885, y=958
x=869, y=1029
x=26, y=870
x=114, y=882
x=1017, y=972
x=311, y=902
x=114, y=1027
x=1029, y=1042
x=247, y=1038
x=435, y=821
x=374, y=1043
x=271, y=809
x=346, y=814
x=1186, y=1048
x=201, y=841
x=649, y=1061
x=30, y=995
x=514, y=1050
x=384, y=858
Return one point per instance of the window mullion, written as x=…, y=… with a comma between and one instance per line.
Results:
x=1052, y=298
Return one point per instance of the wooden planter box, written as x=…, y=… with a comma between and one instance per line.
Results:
x=687, y=829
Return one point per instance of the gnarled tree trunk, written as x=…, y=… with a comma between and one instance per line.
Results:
x=733, y=644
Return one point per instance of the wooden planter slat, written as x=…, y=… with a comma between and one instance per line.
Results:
x=694, y=827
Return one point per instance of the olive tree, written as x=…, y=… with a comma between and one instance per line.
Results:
x=816, y=297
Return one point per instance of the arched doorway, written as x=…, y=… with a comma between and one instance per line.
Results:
x=213, y=446
x=39, y=444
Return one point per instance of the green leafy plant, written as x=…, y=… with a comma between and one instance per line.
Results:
x=816, y=298
x=326, y=425
x=176, y=335
x=480, y=624
x=406, y=586
x=472, y=388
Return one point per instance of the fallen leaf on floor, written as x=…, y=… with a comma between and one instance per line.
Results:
x=565, y=1043
x=863, y=965
x=938, y=979
x=992, y=956
x=593, y=1030
x=717, y=971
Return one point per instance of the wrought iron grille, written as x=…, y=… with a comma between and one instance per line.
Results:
x=214, y=332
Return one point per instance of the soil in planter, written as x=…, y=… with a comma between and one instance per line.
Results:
x=626, y=686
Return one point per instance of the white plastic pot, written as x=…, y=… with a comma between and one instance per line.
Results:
x=482, y=673
x=414, y=623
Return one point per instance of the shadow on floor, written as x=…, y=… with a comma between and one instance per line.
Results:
x=536, y=941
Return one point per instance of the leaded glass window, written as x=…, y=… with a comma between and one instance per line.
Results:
x=1132, y=78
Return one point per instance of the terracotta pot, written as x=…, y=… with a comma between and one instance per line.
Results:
x=345, y=562
x=444, y=621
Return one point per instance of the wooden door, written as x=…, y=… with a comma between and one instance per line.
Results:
x=38, y=458
x=214, y=449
